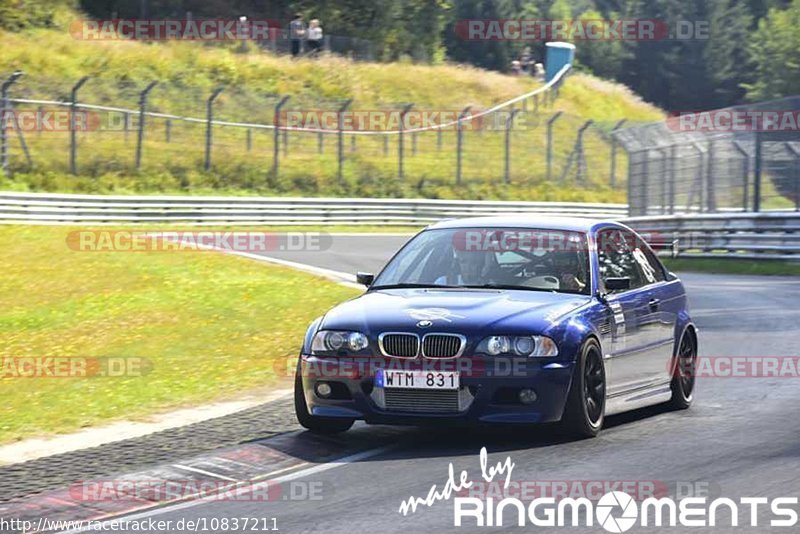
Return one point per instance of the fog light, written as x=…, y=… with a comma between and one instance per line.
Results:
x=323, y=390
x=527, y=396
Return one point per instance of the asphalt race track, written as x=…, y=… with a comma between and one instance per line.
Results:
x=740, y=439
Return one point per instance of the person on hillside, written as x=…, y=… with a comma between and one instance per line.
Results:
x=526, y=60
x=297, y=32
x=314, y=37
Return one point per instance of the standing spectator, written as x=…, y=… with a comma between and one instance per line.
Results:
x=314, y=37
x=297, y=31
x=526, y=60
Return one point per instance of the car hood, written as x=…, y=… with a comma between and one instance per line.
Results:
x=467, y=312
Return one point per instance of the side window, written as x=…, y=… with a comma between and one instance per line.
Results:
x=617, y=258
x=651, y=267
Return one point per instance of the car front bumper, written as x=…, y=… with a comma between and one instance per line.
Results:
x=488, y=390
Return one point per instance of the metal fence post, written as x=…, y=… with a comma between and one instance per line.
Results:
x=439, y=139
x=550, y=122
x=795, y=174
x=276, y=144
x=612, y=179
x=460, y=142
x=401, y=140
x=577, y=156
x=320, y=142
x=673, y=151
x=5, y=108
x=745, y=175
x=632, y=211
x=509, y=128
x=697, y=186
x=168, y=130
x=711, y=200
x=73, y=141
x=757, y=177
x=340, y=135
x=209, y=123
x=142, y=109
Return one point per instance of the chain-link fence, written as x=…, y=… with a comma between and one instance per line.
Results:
x=236, y=138
x=745, y=158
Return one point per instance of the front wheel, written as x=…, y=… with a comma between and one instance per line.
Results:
x=315, y=423
x=683, y=373
x=586, y=403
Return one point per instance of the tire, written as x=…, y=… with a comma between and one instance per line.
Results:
x=315, y=423
x=683, y=372
x=584, y=412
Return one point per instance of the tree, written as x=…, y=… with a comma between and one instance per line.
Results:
x=775, y=54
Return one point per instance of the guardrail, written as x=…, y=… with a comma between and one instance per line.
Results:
x=43, y=208
x=766, y=235
x=774, y=236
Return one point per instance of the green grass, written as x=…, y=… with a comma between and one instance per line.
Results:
x=187, y=72
x=208, y=325
x=734, y=266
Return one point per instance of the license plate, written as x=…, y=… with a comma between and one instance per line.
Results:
x=416, y=379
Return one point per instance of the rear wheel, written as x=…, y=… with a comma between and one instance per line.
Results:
x=315, y=423
x=683, y=374
x=586, y=403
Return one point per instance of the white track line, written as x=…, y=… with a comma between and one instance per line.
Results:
x=203, y=472
x=337, y=276
x=285, y=478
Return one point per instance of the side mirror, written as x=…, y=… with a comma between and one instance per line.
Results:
x=365, y=279
x=671, y=276
x=617, y=284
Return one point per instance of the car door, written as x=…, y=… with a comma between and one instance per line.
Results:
x=664, y=298
x=629, y=310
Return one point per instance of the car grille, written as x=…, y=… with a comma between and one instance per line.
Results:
x=442, y=345
x=399, y=345
x=421, y=401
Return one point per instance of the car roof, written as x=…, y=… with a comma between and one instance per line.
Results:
x=537, y=222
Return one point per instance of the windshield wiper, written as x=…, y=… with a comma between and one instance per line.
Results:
x=413, y=286
x=508, y=286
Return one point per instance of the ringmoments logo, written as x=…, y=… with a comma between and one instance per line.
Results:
x=615, y=511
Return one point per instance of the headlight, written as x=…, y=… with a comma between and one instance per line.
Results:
x=531, y=346
x=327, y=341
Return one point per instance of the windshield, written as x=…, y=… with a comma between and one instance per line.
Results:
x=526, y=259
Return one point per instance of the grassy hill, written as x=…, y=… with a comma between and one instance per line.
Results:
x=53, y=61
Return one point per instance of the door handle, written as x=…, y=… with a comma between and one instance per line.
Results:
x=654, y=303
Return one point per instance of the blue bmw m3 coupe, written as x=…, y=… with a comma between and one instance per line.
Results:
x=503, y=320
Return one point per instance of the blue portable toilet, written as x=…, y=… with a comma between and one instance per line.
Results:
x=558, y=55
